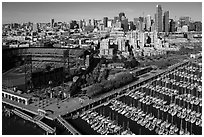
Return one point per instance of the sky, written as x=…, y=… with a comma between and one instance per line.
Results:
x=20, y=12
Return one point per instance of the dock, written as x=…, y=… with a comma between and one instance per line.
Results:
x=69, y=127
x=35, y=120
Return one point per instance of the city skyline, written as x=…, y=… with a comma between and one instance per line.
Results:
x=19, y=12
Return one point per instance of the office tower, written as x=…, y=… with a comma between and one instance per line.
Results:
x=198, y=26
x=131, y=25
x=148, y=22
x=158, y=19
x=184, y=20
x=52, y=23
x=141, y=24
x=172, y=25
x=136, y=23
x=109, y=23
x=166, y=21
x=121, y=15
x=105, y=21
x=124, y=24
x=80, y=24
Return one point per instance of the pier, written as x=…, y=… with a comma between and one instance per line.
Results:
x=36, y=120
x=70, y=128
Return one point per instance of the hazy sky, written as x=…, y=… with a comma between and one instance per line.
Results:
x=65, y=11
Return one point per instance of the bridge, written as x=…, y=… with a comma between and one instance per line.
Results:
x=22, y=115
x=36, y=120
x=45, y=127
x=70, y=128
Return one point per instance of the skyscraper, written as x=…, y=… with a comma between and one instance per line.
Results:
x=148, y=22
x=124, y=24
x=105, y=21
x=120, y=15
x=52, y=23
x=158, y=18
x=166, y=21
x=141, y=24
x=171, y=25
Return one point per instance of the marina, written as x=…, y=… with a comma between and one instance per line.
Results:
x=169, y=105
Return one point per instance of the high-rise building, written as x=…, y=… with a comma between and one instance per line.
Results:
x=52, y=22
x=109, y=23
x=141, y=24
x=158, y=18
x=136, y=23
x=105, y=21
x=148, y=22
x=172, y=25
x=121, y=15
x=166, y=21
x=124, y=24
x=198, y=26
x=184, y=20
x=80, y=24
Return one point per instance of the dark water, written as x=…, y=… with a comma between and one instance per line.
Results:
x=16, y=126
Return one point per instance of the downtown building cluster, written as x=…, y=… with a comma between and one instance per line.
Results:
x=144, y=36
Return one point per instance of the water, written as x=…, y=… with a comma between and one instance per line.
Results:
x=14, y=125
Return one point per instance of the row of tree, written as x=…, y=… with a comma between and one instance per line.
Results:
x=108, y=85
